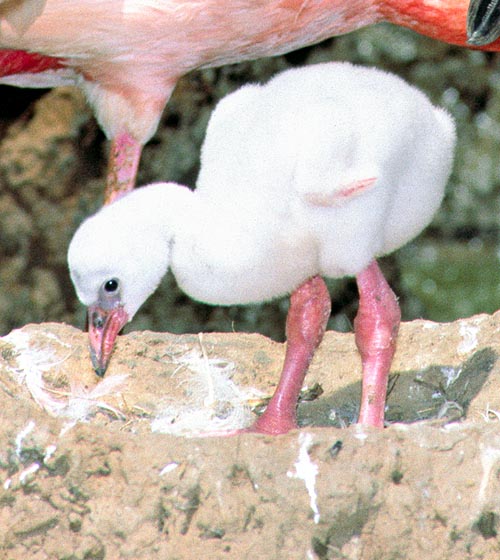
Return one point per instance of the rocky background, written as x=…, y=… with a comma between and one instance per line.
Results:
x=52, y=166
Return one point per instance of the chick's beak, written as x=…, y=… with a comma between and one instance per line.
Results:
x=104, y=326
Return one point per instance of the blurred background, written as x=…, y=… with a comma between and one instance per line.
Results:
x=52, y=167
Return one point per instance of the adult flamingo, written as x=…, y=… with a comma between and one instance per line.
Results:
x=127, y=55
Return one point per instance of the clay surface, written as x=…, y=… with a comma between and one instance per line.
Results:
x=117, y=468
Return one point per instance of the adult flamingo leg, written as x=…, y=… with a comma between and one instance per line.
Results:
x=305, y=326
x=124, y=155
x=376, y=328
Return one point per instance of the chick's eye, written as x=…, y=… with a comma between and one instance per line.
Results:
x=109, y=296
x=111, y=286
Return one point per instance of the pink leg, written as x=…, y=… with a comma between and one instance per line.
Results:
x=376, y=327
x=124, y=155
x=305, y=327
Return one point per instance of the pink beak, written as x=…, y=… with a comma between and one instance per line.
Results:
x=104, y=326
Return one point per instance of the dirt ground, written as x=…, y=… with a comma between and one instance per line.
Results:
x=119, y=468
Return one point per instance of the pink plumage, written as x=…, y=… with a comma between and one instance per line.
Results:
x=128, y=55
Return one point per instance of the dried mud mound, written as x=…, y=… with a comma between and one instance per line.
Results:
x=117, y=468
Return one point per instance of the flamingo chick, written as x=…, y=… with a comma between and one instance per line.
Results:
x=314, y=174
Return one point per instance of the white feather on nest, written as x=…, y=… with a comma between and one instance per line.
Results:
x=78, y=404
x=215, y=403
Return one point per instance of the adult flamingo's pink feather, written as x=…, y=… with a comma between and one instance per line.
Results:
x=127, y=55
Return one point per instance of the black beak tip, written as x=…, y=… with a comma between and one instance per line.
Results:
x=100, y=371
x=98, y=368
